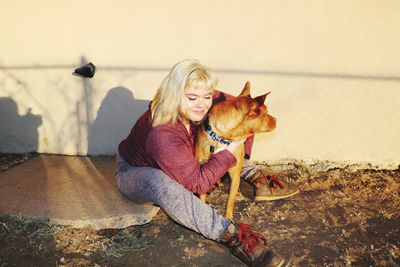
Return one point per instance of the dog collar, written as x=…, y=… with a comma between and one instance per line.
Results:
x=213, y=135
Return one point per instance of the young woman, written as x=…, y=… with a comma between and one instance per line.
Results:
x=156, y=163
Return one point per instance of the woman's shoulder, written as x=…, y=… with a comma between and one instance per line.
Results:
x=220, y=96
x=167, y=130
x=166, y=138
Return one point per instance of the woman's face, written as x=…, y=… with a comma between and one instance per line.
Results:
x=198, y=100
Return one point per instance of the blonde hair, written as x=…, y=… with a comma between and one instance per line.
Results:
x=168, y=103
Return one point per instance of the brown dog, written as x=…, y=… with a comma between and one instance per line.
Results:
x=235, y=119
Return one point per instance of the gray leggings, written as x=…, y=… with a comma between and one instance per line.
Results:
x=150, y=185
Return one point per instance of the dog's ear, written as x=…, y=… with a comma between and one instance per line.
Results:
x=261, y=99
x=246, y=90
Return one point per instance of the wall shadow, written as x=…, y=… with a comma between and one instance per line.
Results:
x=18, y=134
x=117, y=114
x=23, y=188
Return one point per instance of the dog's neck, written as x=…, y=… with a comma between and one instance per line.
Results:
x=214, y=136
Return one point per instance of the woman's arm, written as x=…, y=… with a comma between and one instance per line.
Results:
x=174, y=153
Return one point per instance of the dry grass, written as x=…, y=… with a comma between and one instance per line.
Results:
x=342, y=217
x=9, y=160
x=350, y=214
x=41, y=238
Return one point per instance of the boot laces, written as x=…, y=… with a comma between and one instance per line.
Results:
x=249, y=238
x=273, y=181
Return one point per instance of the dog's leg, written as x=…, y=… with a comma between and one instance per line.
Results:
x=203, y=197
x=202, y=152
x=234, y=174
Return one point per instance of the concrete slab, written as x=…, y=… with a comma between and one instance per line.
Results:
x=67, y=190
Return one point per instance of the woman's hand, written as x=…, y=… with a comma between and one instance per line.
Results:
x=232, y=147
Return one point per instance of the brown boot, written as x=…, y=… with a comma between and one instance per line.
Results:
x=268, y=187
x=250, y=247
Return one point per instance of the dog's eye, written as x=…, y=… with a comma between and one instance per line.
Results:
x=255, y=112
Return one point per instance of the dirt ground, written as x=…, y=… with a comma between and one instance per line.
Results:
x=341, y=217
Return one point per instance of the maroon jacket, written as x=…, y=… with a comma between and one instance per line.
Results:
x=170, y=147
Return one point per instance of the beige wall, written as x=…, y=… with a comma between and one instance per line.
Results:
x=332, y=66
